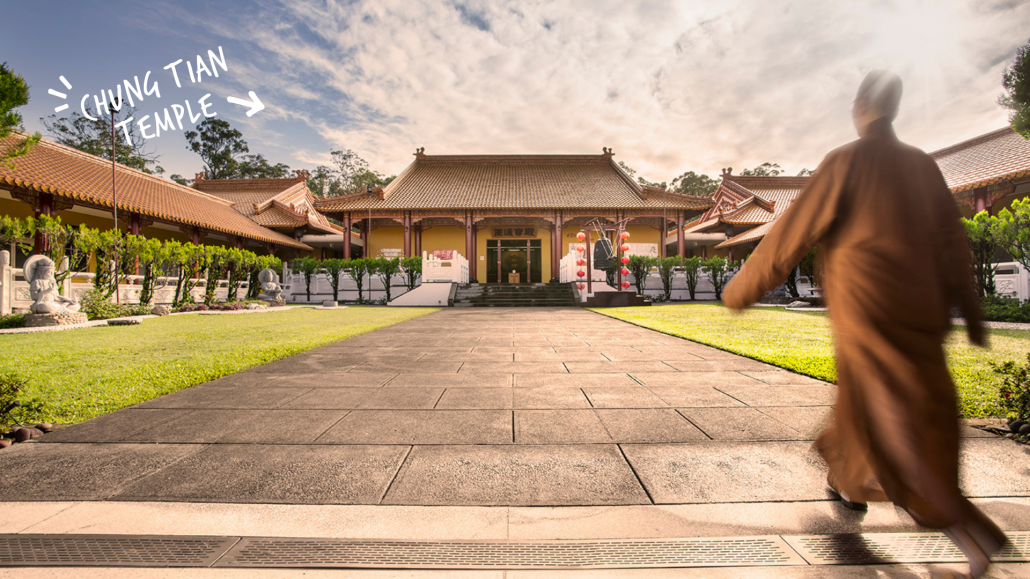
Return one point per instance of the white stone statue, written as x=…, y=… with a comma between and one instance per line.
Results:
x=270, y=288
x=39, y=272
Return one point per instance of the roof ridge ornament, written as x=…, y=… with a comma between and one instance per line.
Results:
x=420, y=153
x=608, y=152
x=726, y=172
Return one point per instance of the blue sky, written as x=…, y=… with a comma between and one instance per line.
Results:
x=671, y=86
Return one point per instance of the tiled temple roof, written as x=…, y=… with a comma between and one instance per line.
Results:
x=513, y=182
x=749, y=201
x=996, y=157
x=282, y=203
x=86, y=179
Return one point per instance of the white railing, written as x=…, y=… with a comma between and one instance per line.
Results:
x=453, y=270
x=567, y=269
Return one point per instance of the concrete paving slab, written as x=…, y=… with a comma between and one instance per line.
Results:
x=354, y=380
x=281, y=426
x=648, y=425
x=251, y=379
x=572, y=380
x=16, y=517
x=244, y=473
x=729, y=472
x=198, y=426
x=397, y=367
x=808, y=422
x=552, y=356
x=403, y=398
x=908, y=571
x=994, y=467
x=515, y=475
x=474, y=397
x=559, y=427
x=550, y=398
x=738, y=424
x=115, y=426
x=331, y=398
x=694, y=379
x=653, y=355
x=554, y=367
x=199, y=397
x=694, y=397
x=459, y=380
x=619, y=397
x=314, y=521
x=794, y=396
x=308, y=363
x=781, y=377
x=69, y=471
x=578, y=367
x=374, y=427
x=737, y=364
x=465, y=427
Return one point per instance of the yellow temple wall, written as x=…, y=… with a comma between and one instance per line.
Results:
x=443, y=237
x=386, y=238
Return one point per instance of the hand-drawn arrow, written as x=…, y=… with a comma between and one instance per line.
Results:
x=254, y=103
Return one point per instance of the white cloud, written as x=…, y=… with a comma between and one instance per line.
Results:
x=670, y=85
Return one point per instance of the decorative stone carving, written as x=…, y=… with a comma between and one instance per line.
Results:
x=160, y=310
x=271, y=291
x=64, y=318
x=39, y=272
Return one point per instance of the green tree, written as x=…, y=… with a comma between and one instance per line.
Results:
x=1013, y=231
x=719, y=270
x=692, y=271
x=808, y=267
x=763, y=170
x=152, y=257
x=641, y=266
x=385, y=268
x=359, y=268
x=792, y=283
x=308, y=266
x=93, y=136
x=220, y=146
x=179, y=179
x=666, y=270
x=14, y=93
x=981, y=232
x=1016, y=81
x=412, y=269
x=333, y=268
x=691, y=183
x=216, y=261
x=322, y=183
x=186, y=260
x=11, y=230
x=257, y=167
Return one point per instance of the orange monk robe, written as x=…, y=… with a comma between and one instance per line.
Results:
x=895, y=261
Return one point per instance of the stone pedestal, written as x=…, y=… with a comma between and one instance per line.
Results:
x=329, y=304
x=58, y=319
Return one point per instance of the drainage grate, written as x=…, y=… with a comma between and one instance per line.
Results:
x=111, y=550
x=720, y=552
x=873, y=548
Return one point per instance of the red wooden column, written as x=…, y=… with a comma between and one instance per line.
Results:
x=681, y=243
x=346, y=235
x=474, y=260
x=979, y=200
x=46, y=207
x=239, y=242
x=468, y=244
x=554, y=248
x=418, y=239
x=195, y=235
x=134, y=230
x=407, y=234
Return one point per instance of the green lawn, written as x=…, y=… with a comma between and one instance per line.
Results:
x=79, y=374
x=802, y=342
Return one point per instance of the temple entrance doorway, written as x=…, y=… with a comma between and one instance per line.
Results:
x=513, y=261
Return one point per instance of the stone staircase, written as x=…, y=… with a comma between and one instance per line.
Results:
x=514, y=295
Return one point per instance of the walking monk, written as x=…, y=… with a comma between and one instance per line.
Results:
x=895, y=262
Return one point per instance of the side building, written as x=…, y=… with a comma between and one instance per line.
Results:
x=509, y=213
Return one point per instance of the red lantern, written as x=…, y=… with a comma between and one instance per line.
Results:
x=625, y=271
x=581, y=236
x=625, y=285
x=581, y=261
x=581, y=286
x=581, y=248
x=581, y=273
x=625, y=247
x=625, y=235
x=625, y=259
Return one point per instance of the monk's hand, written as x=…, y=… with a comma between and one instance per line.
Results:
x=977, y=335
x=732, y=298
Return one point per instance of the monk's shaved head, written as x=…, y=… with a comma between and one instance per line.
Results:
x=880, y=93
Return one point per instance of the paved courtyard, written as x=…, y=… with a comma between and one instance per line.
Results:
x=477, y=407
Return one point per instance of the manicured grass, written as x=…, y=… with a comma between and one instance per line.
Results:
x=79, y=374
x=803, y=343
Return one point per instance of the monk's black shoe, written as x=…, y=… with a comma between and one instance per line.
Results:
x=855, y=506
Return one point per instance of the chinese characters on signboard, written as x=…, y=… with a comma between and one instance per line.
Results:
x=515, y=232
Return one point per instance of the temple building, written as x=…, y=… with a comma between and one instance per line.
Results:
x=987, y=173
x=60, y=181
x=283, y=205
x=744, y=209
x=512, y=216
